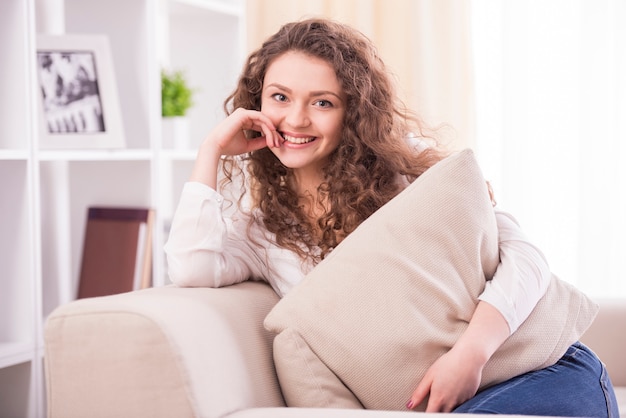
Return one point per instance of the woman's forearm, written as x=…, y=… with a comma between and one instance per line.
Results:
x=206, y=165
x=485, y=333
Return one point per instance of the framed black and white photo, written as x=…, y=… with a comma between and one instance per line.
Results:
x=78, y=93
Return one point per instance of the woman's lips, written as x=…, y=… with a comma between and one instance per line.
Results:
x=298, y=140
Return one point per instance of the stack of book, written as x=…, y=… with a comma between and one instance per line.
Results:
x=117, y=251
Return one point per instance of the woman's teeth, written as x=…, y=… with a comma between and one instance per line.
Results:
x=294, y=140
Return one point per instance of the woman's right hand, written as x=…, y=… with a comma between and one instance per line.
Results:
x=228, y=138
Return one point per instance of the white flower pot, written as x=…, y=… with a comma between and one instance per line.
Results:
x=175, y=132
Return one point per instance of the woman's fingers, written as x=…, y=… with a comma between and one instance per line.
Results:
x=229, y=136
x=257, y=121
x=278, y=139
x=272, y=137
x=256, y=143
x=420, y=393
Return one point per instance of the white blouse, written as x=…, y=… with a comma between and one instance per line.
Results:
x=206, y=248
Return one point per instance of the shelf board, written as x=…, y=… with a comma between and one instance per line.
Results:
x=13, y=155
x=218, y=6
x=95, y=155
x=15, y=353
x=179, y=155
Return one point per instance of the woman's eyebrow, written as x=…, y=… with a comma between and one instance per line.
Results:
x=316, y=93
x=278, y=86
x=324, y=93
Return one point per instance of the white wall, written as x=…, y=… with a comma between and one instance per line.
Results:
x=551, y=128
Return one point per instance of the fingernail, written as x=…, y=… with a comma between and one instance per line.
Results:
x=410, y=404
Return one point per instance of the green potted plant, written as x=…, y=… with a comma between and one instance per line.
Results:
x=176, y=99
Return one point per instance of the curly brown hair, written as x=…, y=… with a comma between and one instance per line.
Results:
x=363, y=173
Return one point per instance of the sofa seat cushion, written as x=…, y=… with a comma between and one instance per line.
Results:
x=620, y=394
x=341, y=413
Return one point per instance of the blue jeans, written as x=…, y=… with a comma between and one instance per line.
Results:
x=578, y=385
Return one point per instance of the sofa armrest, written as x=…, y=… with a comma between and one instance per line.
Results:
x=162, y=352
x=607, y=339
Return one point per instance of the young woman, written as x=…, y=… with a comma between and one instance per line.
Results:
x=318, y=141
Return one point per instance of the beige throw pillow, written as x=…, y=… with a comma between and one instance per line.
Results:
x=364, y=326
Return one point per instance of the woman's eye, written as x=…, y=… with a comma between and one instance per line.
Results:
x=323, y=103
x=279, y=97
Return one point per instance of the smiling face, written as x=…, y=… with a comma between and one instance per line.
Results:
x=304, y=99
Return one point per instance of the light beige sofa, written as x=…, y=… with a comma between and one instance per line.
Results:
x=197, y=352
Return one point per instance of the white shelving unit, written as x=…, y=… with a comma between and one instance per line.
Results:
x=44, y=194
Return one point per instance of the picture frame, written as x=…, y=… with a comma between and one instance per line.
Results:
x=78, y=96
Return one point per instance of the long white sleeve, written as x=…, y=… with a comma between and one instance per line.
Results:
x=207, y=249
x=204, y=248
x=522, y=276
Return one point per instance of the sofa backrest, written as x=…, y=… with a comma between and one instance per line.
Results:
x=607, y=338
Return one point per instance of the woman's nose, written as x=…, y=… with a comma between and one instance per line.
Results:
x=297, y=116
